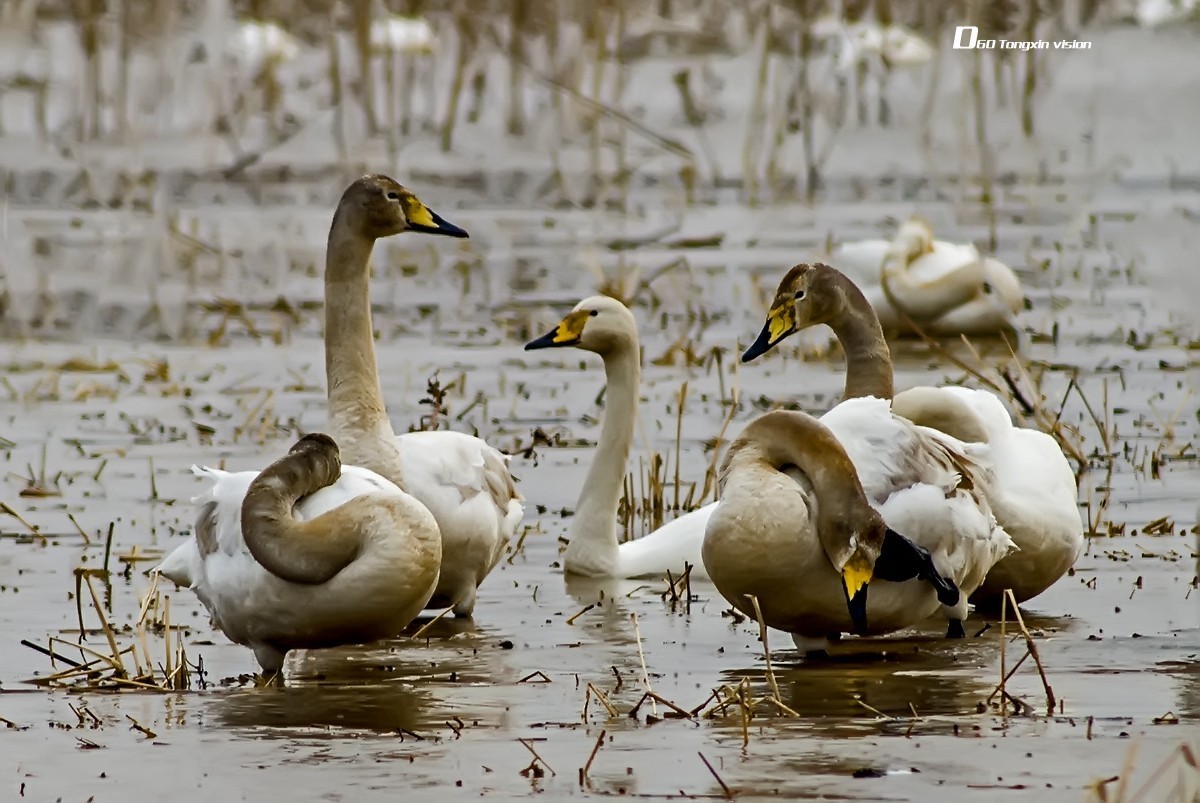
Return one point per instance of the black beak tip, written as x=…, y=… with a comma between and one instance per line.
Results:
x=447, y=228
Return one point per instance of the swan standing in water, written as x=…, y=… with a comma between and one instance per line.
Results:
x=463, y=481
x=794, y=523
x=1029, y=484
x=604, y=326
x=307, y=553
x=945, y=288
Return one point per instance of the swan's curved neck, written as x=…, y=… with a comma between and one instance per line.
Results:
x=298, y=552
x=357, y=415
x=868, y=359
x=783, y=439
x=593, y=549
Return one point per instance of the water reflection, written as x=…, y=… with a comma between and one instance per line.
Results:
x=388, y=686
x=893, y=675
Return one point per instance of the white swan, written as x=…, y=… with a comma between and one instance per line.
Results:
x=463, y=481
x=1029, y=485
x=307, y=553
x=945, y=288
x=811, y=515
x=604, y=325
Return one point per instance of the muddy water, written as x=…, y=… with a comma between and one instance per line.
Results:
x=901, y=718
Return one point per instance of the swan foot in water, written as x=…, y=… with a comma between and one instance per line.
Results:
x=899, y=560
x=954, y=629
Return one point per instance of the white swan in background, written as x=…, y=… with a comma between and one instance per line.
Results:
x=813, y=512
x=254, y=44
x=463, y=481
x=1029, y=484
x=307, y=553
x=604, y=326
x=399, y=34
x=945, y=288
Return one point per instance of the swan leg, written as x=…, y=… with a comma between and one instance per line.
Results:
x=466, y=605
x=900, y=559
x=811, y=647
x=270, y=659
x=954, y=629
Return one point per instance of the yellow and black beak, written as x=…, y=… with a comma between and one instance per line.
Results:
x=421, y=218
x=568, y=332
x=856, y=575
x=781, y=322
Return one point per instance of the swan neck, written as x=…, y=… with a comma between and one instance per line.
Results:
x=868, y=359
x=290, y=549
x=780, y=441
x=593, y=549
x=357, y=415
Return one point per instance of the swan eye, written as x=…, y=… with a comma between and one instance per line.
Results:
x=987, y=287
x=393, y=196
x=594, y=313
x=799, y=295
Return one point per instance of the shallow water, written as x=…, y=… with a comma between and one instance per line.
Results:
x=899, y=718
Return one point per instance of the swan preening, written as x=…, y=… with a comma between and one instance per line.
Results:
x=1029, y=484
x=458, y=488
x=795, y=522
x=942, y=287
x=307, y=553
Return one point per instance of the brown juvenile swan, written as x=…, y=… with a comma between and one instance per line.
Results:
x=307, y=553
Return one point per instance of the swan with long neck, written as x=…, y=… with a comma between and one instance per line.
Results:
x=604, y=326
x=795, y=522
x=1030, y=486
x=307, y=553
x=463, y=481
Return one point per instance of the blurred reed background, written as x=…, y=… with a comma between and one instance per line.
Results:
x=162, y=119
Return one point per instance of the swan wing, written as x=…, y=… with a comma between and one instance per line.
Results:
x=452, y=473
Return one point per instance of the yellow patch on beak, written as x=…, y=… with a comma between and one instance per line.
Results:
x=416, y=213
x=856, y=574
x=571, y=327
x=780, y=323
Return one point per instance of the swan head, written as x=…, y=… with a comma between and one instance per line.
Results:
x=913, y=239
x=379, y=206
x=808, y=295
x=598, y=324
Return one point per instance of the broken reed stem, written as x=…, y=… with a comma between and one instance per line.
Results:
x=642, y=657
x=1003, y=652
x=592, y=691
x=762, y=635
x=529, y=747
x=724, y=787
x=430, y=623
x=1033, y=650
x=86, y=540
x=583, y=771
x=710, y=476
x=679, y=437
x=108, y=632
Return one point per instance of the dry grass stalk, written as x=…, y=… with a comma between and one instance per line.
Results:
x=425, y=627
x=724, y=786
x=591, y=692
x=533, y=770
x=583, y=771
x=642, y=657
